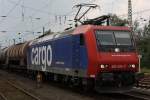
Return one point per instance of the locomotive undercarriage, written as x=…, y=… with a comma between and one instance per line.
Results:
x=103, y=82
x=117, y=81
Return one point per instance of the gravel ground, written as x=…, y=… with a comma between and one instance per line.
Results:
x=11, y=93
x=50, y=91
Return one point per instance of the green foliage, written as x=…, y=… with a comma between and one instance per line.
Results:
x=116, y=21
x=145, y=70
x=136, y=29
x=144, y=46
x=144, y=50
x=146, y=30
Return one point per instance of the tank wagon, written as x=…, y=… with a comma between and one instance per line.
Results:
x=3, y=56
x=91, y=56
x=17, y=55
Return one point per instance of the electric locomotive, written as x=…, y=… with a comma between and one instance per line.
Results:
x=94, y=56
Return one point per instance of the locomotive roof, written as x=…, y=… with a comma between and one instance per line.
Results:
x=85, y=28
x=51, y=36
x=79, y=30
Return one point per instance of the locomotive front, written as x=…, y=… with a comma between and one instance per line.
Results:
x=113, y=60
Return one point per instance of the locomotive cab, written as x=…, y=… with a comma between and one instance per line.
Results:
x=112, y=57
x=117, y=59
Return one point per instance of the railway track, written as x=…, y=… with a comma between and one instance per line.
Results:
x=138, y=95
x=145, y=82
x=141, y=92
x=2, y=97
x=12, y=81
x=9, y=91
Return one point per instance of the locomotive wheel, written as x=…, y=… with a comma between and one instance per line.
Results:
x=119, y=84
x=88, y=85
x=39, y=79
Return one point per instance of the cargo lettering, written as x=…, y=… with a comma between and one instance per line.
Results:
x=42, y=56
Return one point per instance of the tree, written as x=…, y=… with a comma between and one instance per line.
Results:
x=144, y=49
x=116, y=21
x=144, y=46
x=146, y=30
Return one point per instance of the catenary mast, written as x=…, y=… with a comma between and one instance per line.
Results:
x=130, y=13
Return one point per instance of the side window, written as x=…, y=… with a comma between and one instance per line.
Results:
x=81, y=39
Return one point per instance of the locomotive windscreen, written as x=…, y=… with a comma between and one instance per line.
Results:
x=123, y=38
x=109, y=40
x=105, y=38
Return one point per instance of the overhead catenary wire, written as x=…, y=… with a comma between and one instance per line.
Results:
x=53, y=14
x=31, y=8
x=9, y=12
x=137, y=12
x=40, y=10
x=23, y=11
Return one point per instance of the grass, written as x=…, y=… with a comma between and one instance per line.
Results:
x=145, y=70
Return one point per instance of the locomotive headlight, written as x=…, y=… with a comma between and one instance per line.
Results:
x=133, y=66
x=117, y=50
x=102, y=66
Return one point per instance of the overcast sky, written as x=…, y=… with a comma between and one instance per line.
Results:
x=29, y=16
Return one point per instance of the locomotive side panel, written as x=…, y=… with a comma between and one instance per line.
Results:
x=61, y=56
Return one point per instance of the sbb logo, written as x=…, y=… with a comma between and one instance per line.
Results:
x=42, y=56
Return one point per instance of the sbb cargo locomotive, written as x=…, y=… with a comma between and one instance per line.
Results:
x=91, y=56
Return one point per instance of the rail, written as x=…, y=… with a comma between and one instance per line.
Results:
x=145, y=82
x=22, y=90
x=139, y=95
x=3, y=96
